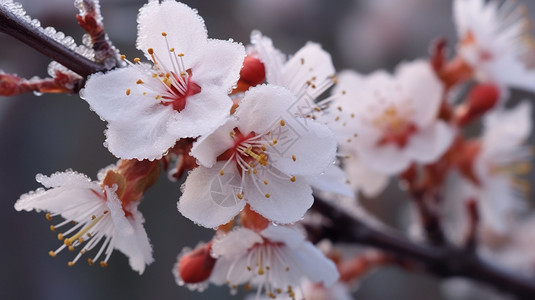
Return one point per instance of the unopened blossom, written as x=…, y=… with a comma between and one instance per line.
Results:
x=95, y=217
x=262, y=156
x=391, y=121
x=275, y=260
x=308, y=73
x=181, y=93
x=495, y=43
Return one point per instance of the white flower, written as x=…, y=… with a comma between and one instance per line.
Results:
x=307, y=74
x=495, y=41
x=391, y=121
x=184, y=94
x=98, y=216
x=261, y=156
x=502, y=158
x=277, y=259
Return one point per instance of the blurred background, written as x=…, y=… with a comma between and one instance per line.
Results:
x=49, y=133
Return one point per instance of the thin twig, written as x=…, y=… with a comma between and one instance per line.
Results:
x=20, y=29
x=445, y=261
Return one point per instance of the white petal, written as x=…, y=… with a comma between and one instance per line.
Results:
x=235, y=243
x=220, y=65
x=312, y=144
x=185, y=30
x=333, y=180
x=136, y=246
x=364, y=179
x=67, y=178
x=209, y=198
x=283, y=234
x=137, y=124
x=315, y=266
x=512, y=125
x=428, y=145
x=272, y=58
x=288, y=201
x=420, y=84
x=309, y=62
x=386, y=159
x=262, y=108
x=203, y=113
x=209, y=147
x=121, y=224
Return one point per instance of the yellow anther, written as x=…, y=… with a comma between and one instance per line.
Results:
x=151, y=51
x=136, y=60
x=317, y=109
x=302, y=61
x=339, y=108
x=287, y=269
x=349, y=140
x=154, y=75
x=139, y=81
x=158, y=97
x=221, y=172
x=93, y=217
x=260, y=271
x=294, y=158
x=355, y=135
x=81, y=240
x=70, y=264
x=53, y=228
x=313, y=86
x=164, y=33
x=123, y=57
x=247, y=287
x=274, y=142
x=248, y=268
x=128, y=92
x=167, y=82
x=60, y=236
x=103, y=264
x=71, y=248
x=239, y=195
x=282, y=123
x=272, y=296
x=67, y=242
x=263, y=147
x=267, y=195
x=292, y=179
x=90, y=261
x=48, y=216
x=144, y=93
x=265, y=182
x=52, y=253
x=232, y=133
x=278, y=291
x=180, y=54
x=337, y=118
x=343, y=92
x=352, y=115
x=172, y=50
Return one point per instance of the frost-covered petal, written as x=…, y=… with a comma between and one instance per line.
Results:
x=333, y=180
x=283, y=234
x=121, y=223
x=235, y=243
x=203, y=112
x=420, y=84
x=209, y=198
x=308, y=151
x=185, y=30
x=272, y=58
x=220, y=65
x=311, y=63
x=281, y=200
x=263, y=107
x=362, y=178
x=315, y=265
x=208, y=147
x=385, y=159
x=429, y=144
x=136, y=245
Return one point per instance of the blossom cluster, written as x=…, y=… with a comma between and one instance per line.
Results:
x=258, y=134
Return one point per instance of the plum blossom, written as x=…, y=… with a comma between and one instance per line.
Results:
x=276, y=259
x=390, y=121
x=183, y=93
x=307, y=74
x=502, y=158
x=98, y=214
x=262, y=156
x=495, y=42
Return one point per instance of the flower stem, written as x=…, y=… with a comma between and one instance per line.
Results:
x=20, y=29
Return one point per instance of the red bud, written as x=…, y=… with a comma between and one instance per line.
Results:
x=197, y=266
x=252, y=74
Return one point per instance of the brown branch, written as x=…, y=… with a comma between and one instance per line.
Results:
x=20, y=29
x=444, y=261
